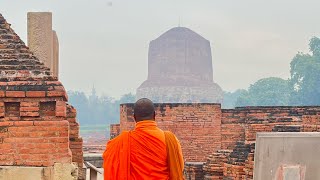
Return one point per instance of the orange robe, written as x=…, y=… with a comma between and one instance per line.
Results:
x=142, y=154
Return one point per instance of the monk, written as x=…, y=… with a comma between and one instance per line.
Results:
x=146, y=152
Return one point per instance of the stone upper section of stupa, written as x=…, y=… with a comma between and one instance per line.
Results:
x=180, y=69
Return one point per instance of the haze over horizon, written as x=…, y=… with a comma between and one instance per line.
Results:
x=105, y=43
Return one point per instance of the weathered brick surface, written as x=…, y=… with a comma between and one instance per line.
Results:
x=197, y=126
x=37, y=126
x=28, y=143
x=75, y=140
x=223, y=139
x=193, y=170
x=114, y=130
x=213, y=167
x=239, y=127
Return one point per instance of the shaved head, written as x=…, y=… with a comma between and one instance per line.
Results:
x=144, y=110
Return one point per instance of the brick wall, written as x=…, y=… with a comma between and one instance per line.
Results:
x=37, y=129
x=239, y=127
x=197, y=126
x=75, y=141
x=114, y=130
x=37, y=126
x=34, y=143
x=224, y=139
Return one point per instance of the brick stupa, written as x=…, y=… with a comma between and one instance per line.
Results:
x=180, y=69
x=37, y=127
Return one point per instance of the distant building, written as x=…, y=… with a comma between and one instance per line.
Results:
x=180, y=69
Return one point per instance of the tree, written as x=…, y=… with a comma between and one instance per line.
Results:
x=128, y=98
x=98, y=110
x=272, y=91
x=230, y=98
x=305, y=76
x=80, y=101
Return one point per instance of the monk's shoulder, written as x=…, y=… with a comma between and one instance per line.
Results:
x=170, y=135
x=118, y=139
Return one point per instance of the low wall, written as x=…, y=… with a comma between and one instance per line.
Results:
x=197, y=126
x=224, y=138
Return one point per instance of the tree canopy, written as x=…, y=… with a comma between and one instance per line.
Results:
x=271, y=91
x=305, y=76
x=302, y=88
x=98, y=109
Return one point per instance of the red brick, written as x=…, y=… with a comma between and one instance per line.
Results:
x=59, y=88
x=61, y=103
x=35, y=93
x=59, y=140
x=23, y=123
x=29, y=109
x=29, y=114
x=17, y=83
x=29, y=104
x=15, y=94
x=2, y=93
x=51, y=123
x=56, y=93
x=57, y=83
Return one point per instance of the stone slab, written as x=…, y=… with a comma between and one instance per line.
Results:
x=25, y=173
x=284, y=156
x=65, y=171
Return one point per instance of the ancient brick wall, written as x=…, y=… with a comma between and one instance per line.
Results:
x=75, y=141
x=114, y=130
x=224, y=139
x=247, y=121
x=197, y=126
x=37, y=126
x=232, y=128
x=193, y=170
x=34, y=143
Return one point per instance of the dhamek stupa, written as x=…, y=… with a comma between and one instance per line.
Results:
x=180, y=69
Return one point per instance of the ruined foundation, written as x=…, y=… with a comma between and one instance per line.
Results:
x=38, y=128
x=220, y=143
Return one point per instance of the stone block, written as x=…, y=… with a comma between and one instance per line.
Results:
x=59, y=171
x=293, y=153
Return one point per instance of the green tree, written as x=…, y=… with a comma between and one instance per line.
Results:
x=305, y=76
x=230, y=98
x=272, y=91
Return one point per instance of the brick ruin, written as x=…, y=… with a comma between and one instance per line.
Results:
x=38, y=128
x=180, y=69
x=219, y=143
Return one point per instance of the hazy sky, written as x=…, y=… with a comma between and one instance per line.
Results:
x=105, y=42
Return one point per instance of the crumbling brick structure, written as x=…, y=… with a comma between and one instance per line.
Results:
x=196, y=125
x=224, y=139
x=37, y=126
x=235, y=160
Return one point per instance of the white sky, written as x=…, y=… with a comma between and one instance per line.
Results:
x=105, y=42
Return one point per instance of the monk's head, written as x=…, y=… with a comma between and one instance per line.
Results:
x=144, y=110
